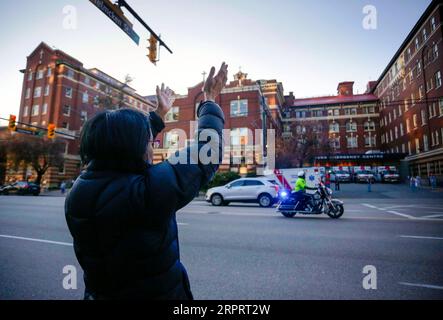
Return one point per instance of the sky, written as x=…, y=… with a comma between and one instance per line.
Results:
x=309, y=46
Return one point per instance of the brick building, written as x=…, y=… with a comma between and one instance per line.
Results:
x=349, y=121
x=411, y=97
x=244, y=109
x=58, y=89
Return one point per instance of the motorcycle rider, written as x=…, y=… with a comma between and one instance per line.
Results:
x=300, y=192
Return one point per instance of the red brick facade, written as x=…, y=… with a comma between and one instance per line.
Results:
x=411, y=97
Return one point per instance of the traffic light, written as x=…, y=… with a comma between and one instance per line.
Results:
x=152, y=49
x=51, y=131
x=12, y=125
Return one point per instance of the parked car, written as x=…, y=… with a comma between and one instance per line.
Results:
x=342, y=176
x=20, y=188
x=364, y=175
x=259, y=190
x=390, y=176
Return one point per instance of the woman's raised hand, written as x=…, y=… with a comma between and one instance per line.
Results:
x=165, y=98
x=214, y=85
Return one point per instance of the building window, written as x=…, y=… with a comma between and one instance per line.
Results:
x=83, y=116
x=26, y=111
x=351, y=111
x=414, y=120
x=335, y=142
x=424, y=121
x=239, y=108
x=35, y=110
x=66, y=111
x=433, y=24
x=85, y=97
x=171, y=140
x=352, y=142
x=369, y=126
x=425, y=143
x=68, y=92
x=420, y=92
x=45, y=108
x=417, y=44
x=438, y=80
x=408, y=126
x=369, y=110
x=425, y=34
x=39, y=75
x=172, y=115
x=402, y=132
x=30, y=75
x=87, y=80
x=399, y=110
x=28, y=93
x=47, y=90
x=65, y=125
x=394, y=112
x=334, y=127
x=37, y=92
x=412, y=99
x=351, y=126
x=396, y=132
x=70, y=73
x=435, y=51
x=49, y=72
x=239, y=136
x=369, y=141
x=440, y=106
x=406, y=105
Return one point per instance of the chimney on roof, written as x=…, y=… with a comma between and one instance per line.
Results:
x=345, y=88
x=370, y=86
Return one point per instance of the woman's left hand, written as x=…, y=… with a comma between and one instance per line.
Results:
x=165, y=98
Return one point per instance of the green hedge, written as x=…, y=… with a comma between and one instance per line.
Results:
x=221, y=178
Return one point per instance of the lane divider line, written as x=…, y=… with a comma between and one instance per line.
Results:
x=421, y=237
x=428, y=286
x=36, y=240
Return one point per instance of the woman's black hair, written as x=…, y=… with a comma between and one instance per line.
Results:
x=115, y=140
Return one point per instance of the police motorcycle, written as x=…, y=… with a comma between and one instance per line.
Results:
x=320, y=202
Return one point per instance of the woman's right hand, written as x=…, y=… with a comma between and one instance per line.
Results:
x=214, y=85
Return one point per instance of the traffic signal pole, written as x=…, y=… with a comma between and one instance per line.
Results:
x=123, y=3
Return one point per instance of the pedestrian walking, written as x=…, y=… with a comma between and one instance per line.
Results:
x=417, y=182
x=369, y=180
x=121, y=211
x=433, y=181
x=63, y=187
x=412, y=183
x=337, y=184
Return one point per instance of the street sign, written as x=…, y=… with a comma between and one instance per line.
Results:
x=111, y=11
x=28, y=131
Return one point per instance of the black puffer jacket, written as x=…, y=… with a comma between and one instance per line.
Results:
x=124, y=225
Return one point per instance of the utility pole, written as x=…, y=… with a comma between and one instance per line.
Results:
x=263, y=108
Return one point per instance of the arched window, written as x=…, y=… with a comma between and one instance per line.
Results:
x=369, y=126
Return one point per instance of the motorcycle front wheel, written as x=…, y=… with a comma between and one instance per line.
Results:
x=288, y=214
x=336, y=212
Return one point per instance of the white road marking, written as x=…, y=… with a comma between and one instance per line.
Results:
x=183, y=224
x=401, y=214
x=390, y=211
x=428, y=286
x=421, y=237
x=433, y=215
x=36, y=240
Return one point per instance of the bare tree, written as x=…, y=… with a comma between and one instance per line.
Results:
x=39, y=153
x=308, y=140
x=115, y=100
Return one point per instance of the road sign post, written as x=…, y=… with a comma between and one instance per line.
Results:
x=114, y=13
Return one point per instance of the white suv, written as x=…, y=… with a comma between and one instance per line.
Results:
x=260, y=190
